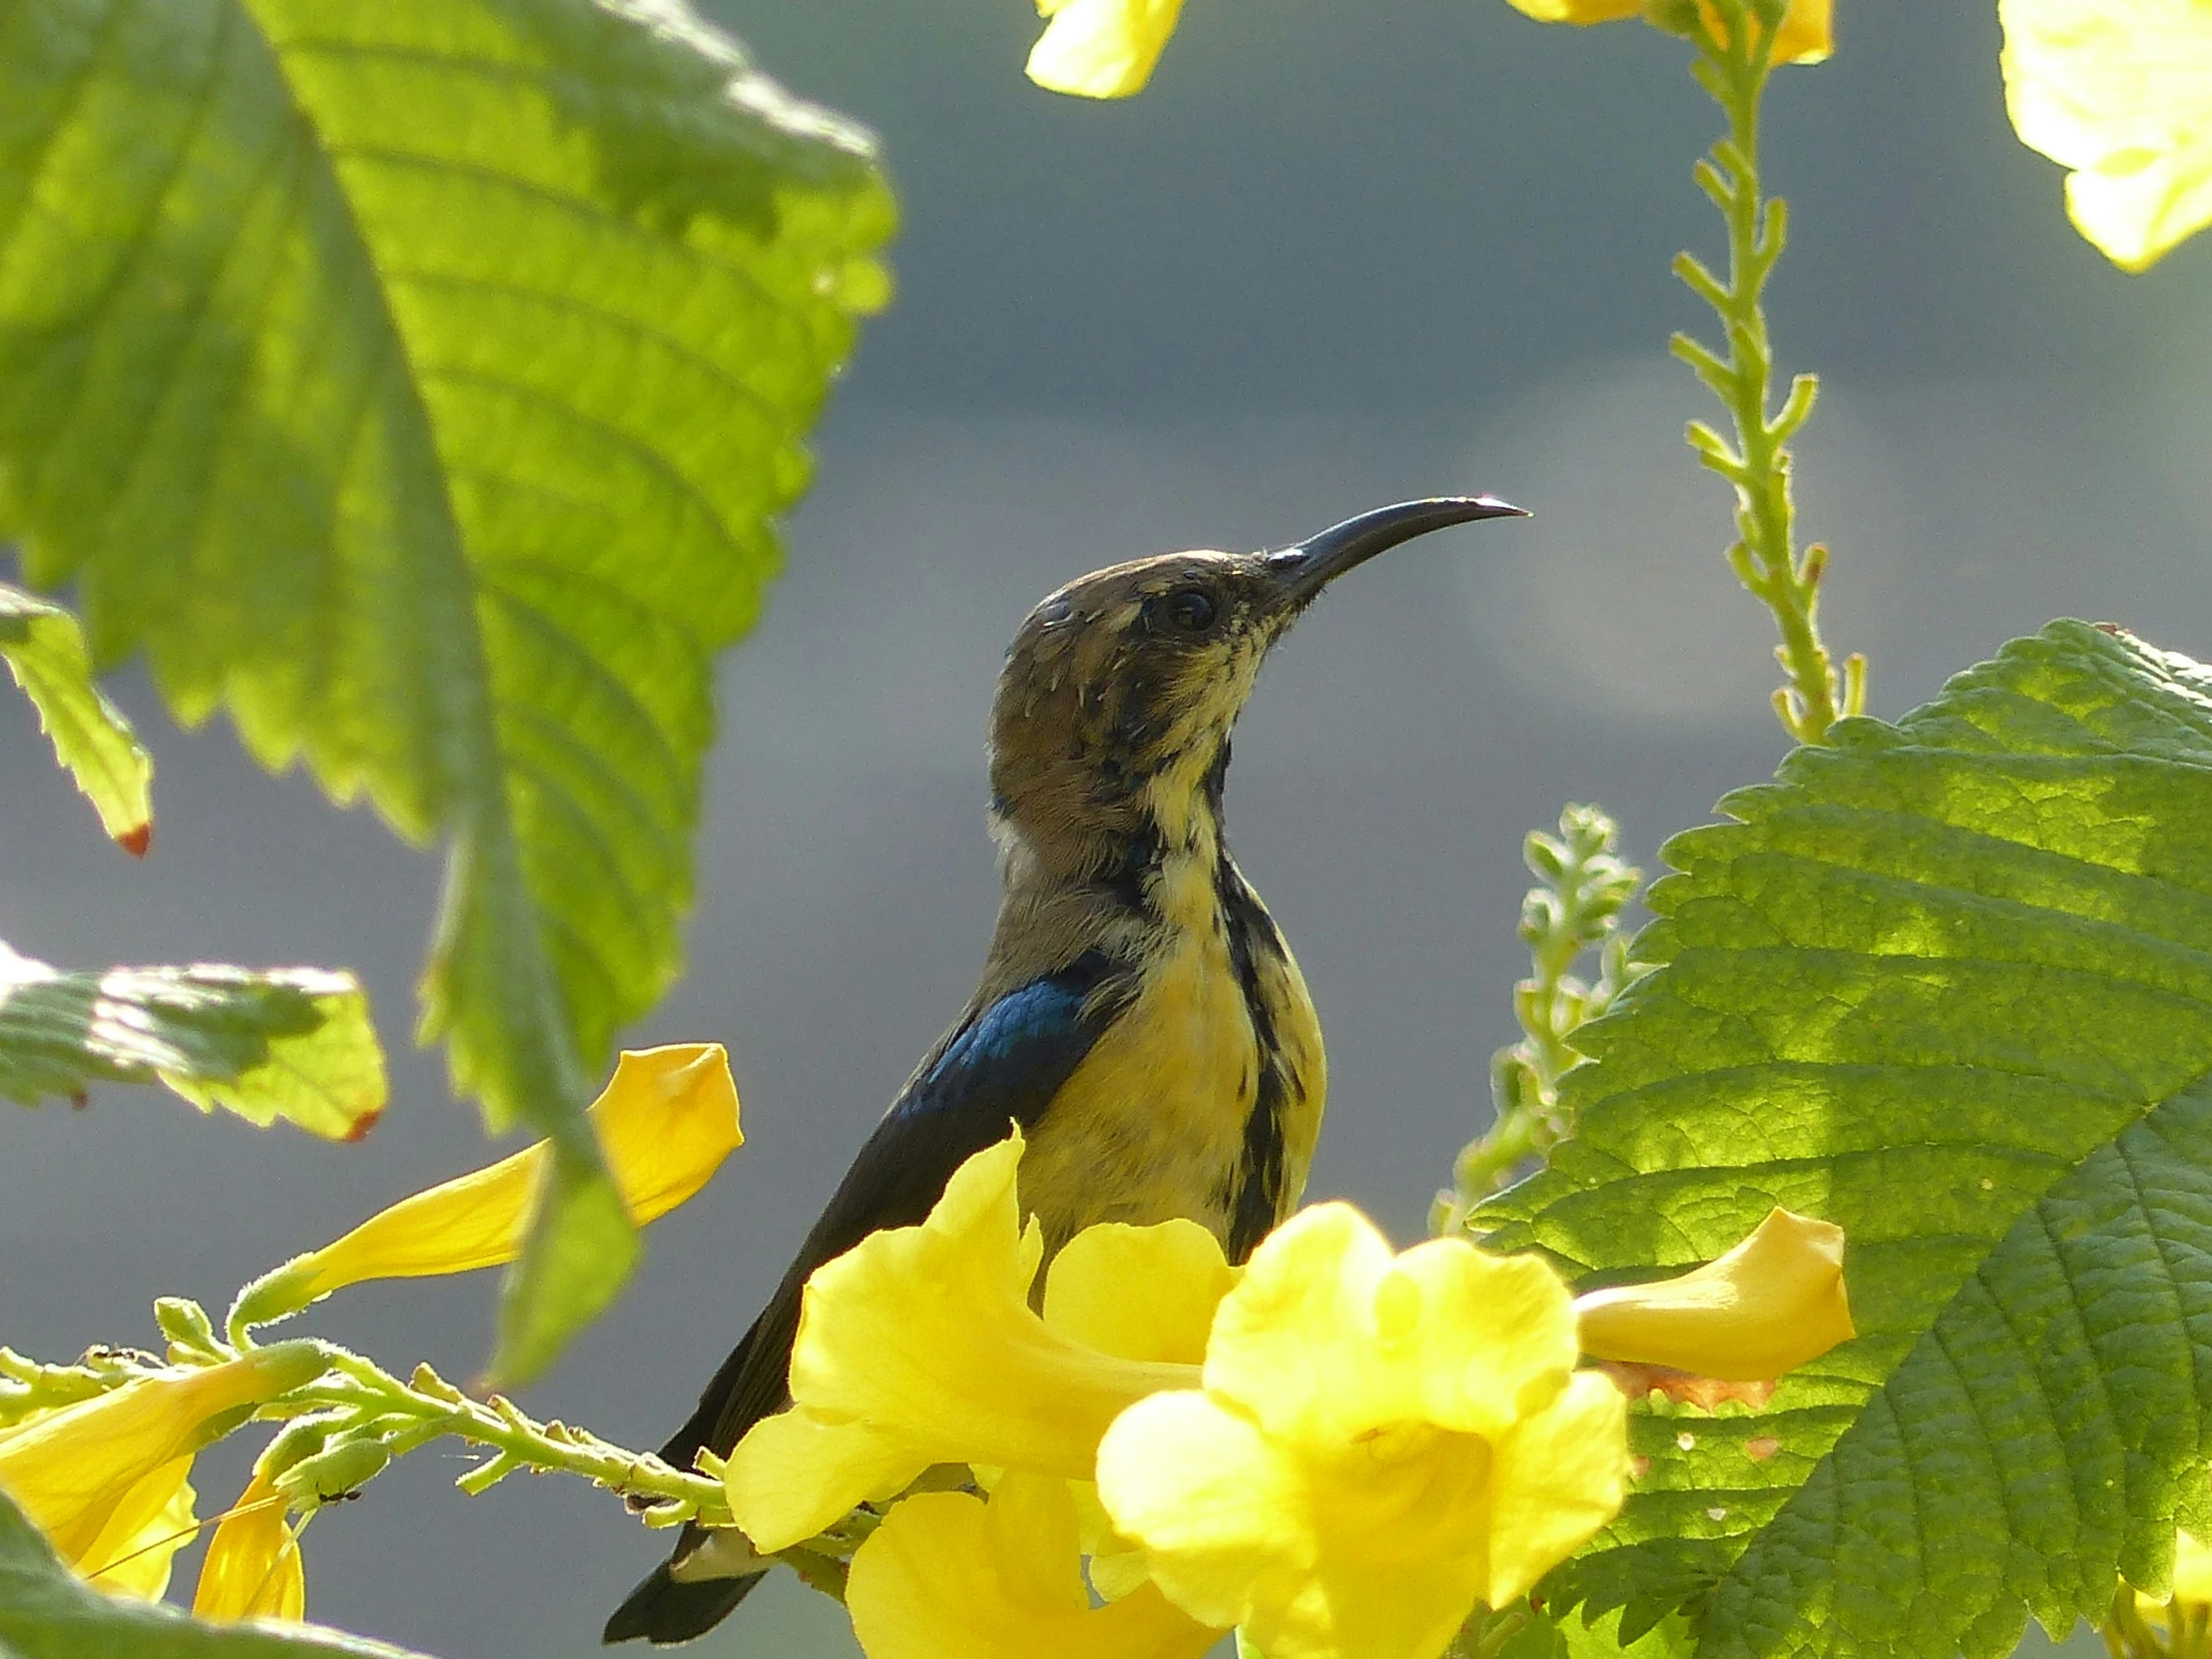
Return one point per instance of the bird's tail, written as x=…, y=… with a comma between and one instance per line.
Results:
x=664, y=1611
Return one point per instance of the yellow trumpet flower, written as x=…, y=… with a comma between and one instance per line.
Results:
x=252, y=1568
x=1101, y=48
x=95, y=1477
x=1378, y=1442
x=1806, y=35
x=1770, y=1305
x=950, y=1576
x=665, y=1121
x=2120, y=93
x=919, y=1346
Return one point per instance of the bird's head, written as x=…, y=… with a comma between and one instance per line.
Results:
x=1120, y=690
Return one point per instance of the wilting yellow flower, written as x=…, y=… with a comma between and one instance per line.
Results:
x=665, y=1121
x=919, y=1346
x=1101, y=48
x=1806, y=35
x=948, y=1576
x=253, y=1569
x=132, y=1554
x=1772, y=1304
x=2120, y=92
x=1379, y=1443
x=95, y=1474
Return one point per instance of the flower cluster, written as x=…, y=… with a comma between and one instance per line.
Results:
x=104, y=1469
x=1335, y=1448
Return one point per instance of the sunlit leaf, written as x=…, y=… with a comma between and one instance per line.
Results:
x=45, y=651
x=418, y=380
x=1947, y=983
x=292, y=1043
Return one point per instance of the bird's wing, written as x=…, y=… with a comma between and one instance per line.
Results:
x=1001, y=1065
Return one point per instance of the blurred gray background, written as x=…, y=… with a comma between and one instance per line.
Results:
x=1338, y=255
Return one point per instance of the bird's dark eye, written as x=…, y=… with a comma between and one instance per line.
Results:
x=1188, y=610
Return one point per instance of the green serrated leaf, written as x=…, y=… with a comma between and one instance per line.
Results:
x=290, y=1043
x=1947, y=983
x=45, y=651
x=46, y=1612
x=418, y=380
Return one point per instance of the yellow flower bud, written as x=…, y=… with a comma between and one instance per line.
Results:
x=665, y=1121
x=91, y=1474
x=1770, y=1305
x=1101, y=48
x=252, y=1568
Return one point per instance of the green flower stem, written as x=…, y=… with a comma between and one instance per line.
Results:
x=1486, y=1633
x=361, y=1401
x=1733, y=66
x=348, y=1422
x=26, y=1386
x=1582, y=886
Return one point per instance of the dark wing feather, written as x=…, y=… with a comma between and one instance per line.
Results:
x=1001, y=1065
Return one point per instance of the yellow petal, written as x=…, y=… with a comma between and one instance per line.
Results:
x=1140, y=1292
x=1281, y=1346
x=252, y=1568
x=948, y=1577
x=1806, y=35
x=1328, y=1331
x=2120, y=93
x=1772, y=1304
x=919, y=1346
x=665, y=1121
x=1224, y=1517
x=1578, y=11
x=153, y=1521
x=1559, y=1476
x=1117, y=1564
x=73, y=1470
x=1101, y=48
x=2192, y=1570
x=796, y=1473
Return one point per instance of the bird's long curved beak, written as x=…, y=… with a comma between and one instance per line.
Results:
x=1312, y=564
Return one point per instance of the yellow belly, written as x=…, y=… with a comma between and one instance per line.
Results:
x=1152, y=1124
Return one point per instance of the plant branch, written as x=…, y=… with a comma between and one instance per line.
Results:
x=1735, y=41
x=1582, y=887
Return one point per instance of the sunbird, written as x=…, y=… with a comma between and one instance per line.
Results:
x=1139, y=1016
